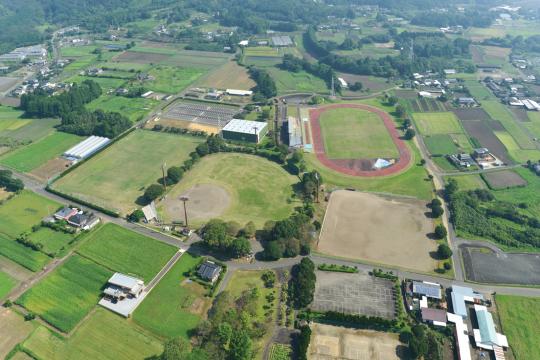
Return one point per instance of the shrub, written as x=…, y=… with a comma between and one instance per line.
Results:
x=448, y=265
x=440, y=231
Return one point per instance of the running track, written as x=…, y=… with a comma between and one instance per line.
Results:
x=352, y=167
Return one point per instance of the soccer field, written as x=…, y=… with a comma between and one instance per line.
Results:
x=116, y=177
x=355, y=134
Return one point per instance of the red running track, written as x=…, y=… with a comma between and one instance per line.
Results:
x=354, y=167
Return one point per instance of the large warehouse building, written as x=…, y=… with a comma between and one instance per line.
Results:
x=244, y=130
x=86, y=148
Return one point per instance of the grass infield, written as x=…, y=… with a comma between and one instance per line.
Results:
x=355, y=134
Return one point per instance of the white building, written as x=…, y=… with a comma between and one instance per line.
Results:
x=486, y=337
x=343, y=82
x=244, y=130
x=86, y=148
x=122, y=286
x=235, y=92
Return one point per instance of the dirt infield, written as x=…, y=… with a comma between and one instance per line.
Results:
x=355, y=167
x=332, y=342
x=504, y=179
x=205, y=202
x=380, y=230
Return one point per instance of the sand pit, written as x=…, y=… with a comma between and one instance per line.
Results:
x=205, y=201
x=380, y=230
x=333, y=342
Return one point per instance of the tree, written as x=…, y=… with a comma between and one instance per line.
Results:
x=440, y=231
x=240, y=247
x=409, y=133
x=175, y=349
x=224, y=334
x=136, y=216
x=240, y=347
x=249, y=230
x=202, y=149
x=303, y=283
x=357, y=86
x=437, y=211
x=174, y=174
x=233, y=228
x=269, y=278
x=392, y=100
x=444, y=251
x=215, y=235
x=401, y=111
x=448, y=266
x=272, y=250
x=450, y=188
x=153, y=192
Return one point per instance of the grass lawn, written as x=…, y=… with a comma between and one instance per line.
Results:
x=443, y=163
x=258, y=189
x=355, y=134
x=478, y=90
x=116, y=177
x=167, y=311
x=23, y=211
x=437, y=123
x=32, y=156
x=529, y=194
x=498, y=111
x=133, y=108
x=126, y=251
x=30, y=259
x=103, y=336
x=287, y=82
x=520, y=318
x=440, y=144
x=53, y=241
x=468, y=182
x=66, y=295
x=170, y=79
x=6, y=284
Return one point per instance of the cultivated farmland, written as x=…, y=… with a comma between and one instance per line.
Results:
x=175, y=306
x=437, y=123
x=355, y=134
x=126, y=251
x=133, y=108
x=65, y=296
x=103, y=336
x=171, y=80
x=116, y=177
x=30, y=259
x=503, y=179
x=13, y=330
x=6, y=284
x=253, y=189
x=229, y=76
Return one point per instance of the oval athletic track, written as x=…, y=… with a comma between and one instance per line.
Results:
x=353, y=166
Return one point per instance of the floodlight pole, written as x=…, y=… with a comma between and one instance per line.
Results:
x=185, y=199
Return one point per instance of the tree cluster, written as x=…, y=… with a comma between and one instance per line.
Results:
x=8, y=182
x=302, y=283
x=98, y=122
x=226, y=237
x=289, y=237
x=266, y=87
x=423, y=343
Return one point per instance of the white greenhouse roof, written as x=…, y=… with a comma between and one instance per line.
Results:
x=245, y=126
x=87, y=147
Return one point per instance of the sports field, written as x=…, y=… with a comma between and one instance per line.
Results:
x=437, y=123
x=117, y=176
x=126, y=251
x=103, y=336
x=23, y=211
x=6, y=284
x=66, y=295
x=520, y=318
x=175, y=306
x=252, y=189
x=171, y=80
x=355, y=134
x=377, y=229
x=32, y=156
x=134, y=108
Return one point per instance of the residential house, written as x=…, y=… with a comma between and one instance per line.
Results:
x=209, y=271
x=84, y=221
x=122, y=286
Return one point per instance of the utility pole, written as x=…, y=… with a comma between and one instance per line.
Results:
x=185, y=199
x=164, y=178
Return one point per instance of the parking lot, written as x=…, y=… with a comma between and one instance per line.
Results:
x=358, y=294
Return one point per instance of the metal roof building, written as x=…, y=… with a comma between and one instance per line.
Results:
x=462, y=336
x=86, y=148
x=295, y=132
x=460, y=295
x=486, y=337
x=432, y=290
x=209, y=271
x=282, y=41
x=124, y=283
x=244, y=130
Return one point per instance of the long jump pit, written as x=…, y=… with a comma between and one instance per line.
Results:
x=379, y=230
x=362, y=167
x=333, y=342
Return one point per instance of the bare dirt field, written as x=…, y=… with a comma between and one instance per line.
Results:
x=357, y=294
x=7, y=82
x=180, y=124
x=229, y=76
x=141, y=57
x=13, y=330
x=471, y=114
x=51, y=168
x=377, y=229
x=205, y=202
x=333, y=342
x=504, y=179
x=480, y=130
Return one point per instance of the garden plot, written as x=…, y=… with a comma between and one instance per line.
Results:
x=503, y=179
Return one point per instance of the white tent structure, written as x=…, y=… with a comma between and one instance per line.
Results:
x=381, y=164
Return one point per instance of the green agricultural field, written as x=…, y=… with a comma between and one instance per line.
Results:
x=32, y=156
x=68, y=294
x=533, y=125
x=126, y=251
x=77, y=51
x=53, y=241
x=462, y=141
x=529, y=194
x=443, y=163
x=440, y=144
x=289, y=82
x=280, y=352
x=23, y=211
x=134, y=108
x=117, y=176
x=258, y=189
x=507, y=140
x=103, y=336
x=105, y=82
x=478, y=91
x=154, y=50
x=171, y=308
x=26, y=257
x=520, y=318
x=437, y=123
x=468, y=182
x=196, y=59
x=498, y=111
x=32, y=131
x=355, y=134
x=10, y=119
x=262, y=51
x=172, y=80
x=6, y=284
